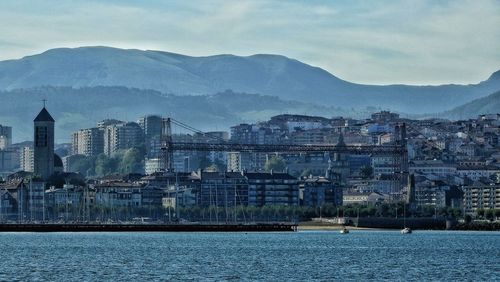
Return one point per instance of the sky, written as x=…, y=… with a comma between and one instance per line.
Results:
x=373, y=42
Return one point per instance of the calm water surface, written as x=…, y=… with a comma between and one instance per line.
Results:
x=360, y=255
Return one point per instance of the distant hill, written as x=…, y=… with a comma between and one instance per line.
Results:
x=486, y=105
x=81, y=108
x=270, y=75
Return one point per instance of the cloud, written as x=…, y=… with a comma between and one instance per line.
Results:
x=380, y=42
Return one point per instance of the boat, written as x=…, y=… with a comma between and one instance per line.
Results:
x=344, y=231
x=406, y=230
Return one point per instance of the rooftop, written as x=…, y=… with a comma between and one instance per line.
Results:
x=44, y=116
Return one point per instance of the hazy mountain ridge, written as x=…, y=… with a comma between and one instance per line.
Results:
x=271, y=75
x=81, y=108
x=486, y=105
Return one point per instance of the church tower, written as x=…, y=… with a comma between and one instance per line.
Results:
x=339, y=166
x=44, y=144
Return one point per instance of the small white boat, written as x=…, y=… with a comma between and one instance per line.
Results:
x=406, y=230
x=344, y=231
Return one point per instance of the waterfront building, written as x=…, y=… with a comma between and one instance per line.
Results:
x=14, y=200
x=118, y=194
x=151, y=196
x=272, y=189
x=43, y=157
x=8, y=205
x=35, y=200
x=181, y=196
x=318, y=191
x=430, y=193
x=223, y=189
x=481, y=195
x=68, y=199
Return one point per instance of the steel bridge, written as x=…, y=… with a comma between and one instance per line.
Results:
x=397, y=152
x=286, y=148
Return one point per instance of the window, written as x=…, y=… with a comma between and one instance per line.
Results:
x=41, y=136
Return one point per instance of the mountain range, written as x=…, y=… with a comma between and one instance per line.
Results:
x=87, y=84
x=271, y=75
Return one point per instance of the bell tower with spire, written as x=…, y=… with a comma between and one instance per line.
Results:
x=43, y=144
x=339, y=166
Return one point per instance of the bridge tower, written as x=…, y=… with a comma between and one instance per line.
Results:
x=400, y=157
x=166, y=159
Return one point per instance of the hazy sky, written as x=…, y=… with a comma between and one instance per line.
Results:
x=378, y=42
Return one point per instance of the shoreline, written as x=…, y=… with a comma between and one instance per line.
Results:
x=325, y=226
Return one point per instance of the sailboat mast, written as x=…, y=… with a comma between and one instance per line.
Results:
x=404, y=215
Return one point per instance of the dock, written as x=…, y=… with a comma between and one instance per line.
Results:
x=73, y=227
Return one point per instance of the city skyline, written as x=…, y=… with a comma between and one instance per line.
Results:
x=409, y=42
x=127, y=125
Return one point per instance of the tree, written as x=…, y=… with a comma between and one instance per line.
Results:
x=132, y=161
x=105, y=165
x=456, y=212
x=480, y=213
x=83, y=165
x=468, y=218
x=497, y=213
x=489, y=214
x=275, y=163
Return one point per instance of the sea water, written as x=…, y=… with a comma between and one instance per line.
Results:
x=299, y=256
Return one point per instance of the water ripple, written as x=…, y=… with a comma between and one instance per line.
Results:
x=319, y=256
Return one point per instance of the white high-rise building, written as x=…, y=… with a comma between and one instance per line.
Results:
x=122, y=136
x=27, y=159
x=88, y=142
